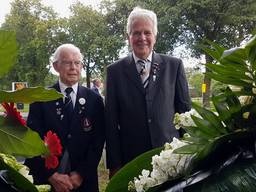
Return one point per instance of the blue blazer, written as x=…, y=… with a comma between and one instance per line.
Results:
x=84, y=136
x=138, y=120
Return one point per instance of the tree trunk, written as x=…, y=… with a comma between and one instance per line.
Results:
x=88, y=75
x=207, y=82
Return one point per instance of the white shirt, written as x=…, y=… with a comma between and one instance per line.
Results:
x=72, y=94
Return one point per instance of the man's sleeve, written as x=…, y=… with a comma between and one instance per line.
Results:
x=182, y=98
x=112, y=122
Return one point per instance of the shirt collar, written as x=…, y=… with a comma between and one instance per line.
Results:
x=149, y=58
x=63, y=87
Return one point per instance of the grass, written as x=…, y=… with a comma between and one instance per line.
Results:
x=102, y=175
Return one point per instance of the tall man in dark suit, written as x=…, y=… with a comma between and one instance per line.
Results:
x=78, y=120
x=144, y=91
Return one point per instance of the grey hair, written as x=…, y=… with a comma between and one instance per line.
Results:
x=139, y=13
x=55, y=56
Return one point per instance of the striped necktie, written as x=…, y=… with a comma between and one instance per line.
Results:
x=68, y=103
x=144, y=73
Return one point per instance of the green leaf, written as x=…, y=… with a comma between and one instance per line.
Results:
x=239, y=177
x=229, y=80
x=205, y=127
x=237, y=54
x=18, y=179
x=222, y=108
x=16, y=140
x=215, y=51
x=195, y=140
x=188, y=149
x=209, y=116
x=250, y=43
x=8, y=51
x=29, y=95
x=228, y=71
x=120, y=180
x=196, y=132
x=232, y=100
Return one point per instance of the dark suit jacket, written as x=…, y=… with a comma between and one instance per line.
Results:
x=96, y=90
x=84, y=142
x=139, y=120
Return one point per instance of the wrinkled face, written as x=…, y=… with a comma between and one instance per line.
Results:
x=69, y=67
x=142, y=38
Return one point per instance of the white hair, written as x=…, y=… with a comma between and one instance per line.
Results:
x=139, y=13
x=55, y=56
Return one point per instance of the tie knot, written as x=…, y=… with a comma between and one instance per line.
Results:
x=142, y=64
x=68, y=90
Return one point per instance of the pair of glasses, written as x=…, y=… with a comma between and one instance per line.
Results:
x=69, y=63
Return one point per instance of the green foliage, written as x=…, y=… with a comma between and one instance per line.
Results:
x=29, y=95
x=7, y=51
x=235, y=66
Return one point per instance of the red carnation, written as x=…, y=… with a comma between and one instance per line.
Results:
x=51, y=162
x=12, y=113
x=52, y=141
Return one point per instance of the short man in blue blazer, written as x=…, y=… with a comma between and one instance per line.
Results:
x=81, y=129
x=143, y=92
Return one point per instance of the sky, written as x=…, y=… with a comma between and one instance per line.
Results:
x=60, y=6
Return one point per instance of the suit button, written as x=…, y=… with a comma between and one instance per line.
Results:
x=69, y=136
x=149, y=120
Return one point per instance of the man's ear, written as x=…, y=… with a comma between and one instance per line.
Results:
x=55, y=66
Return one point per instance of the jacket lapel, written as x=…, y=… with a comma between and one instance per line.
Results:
x=156, y=74
x=132, y=73
x=77, y=108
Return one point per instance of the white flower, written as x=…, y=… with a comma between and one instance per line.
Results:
x=184, y=119
x=25, y=172
x=166, y=165
x=82, y=101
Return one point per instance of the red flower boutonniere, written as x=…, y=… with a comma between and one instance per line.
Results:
x=12, y=113
x=52, y=141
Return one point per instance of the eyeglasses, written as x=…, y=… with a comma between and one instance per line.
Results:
x=69, y=63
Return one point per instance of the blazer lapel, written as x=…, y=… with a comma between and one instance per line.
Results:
x=156, y=74
x=77, y=107
x=58, y=107
x=58, y=104
x=132, y=73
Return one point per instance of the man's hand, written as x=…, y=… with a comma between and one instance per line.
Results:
x=60, y=182
x=76, y=179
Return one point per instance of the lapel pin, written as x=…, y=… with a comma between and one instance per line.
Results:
x=82, y=101
x=155, y=68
